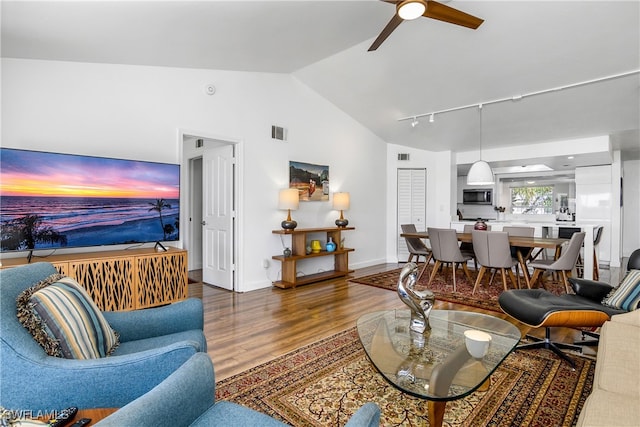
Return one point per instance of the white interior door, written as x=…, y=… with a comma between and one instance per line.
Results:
x=218, y=216
x=412, y=204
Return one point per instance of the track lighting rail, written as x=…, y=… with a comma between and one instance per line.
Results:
x=432, y=114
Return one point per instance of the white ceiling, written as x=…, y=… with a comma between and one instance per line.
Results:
x=424, y=66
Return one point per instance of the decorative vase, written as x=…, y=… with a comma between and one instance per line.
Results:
x=286, y=252
x=330, y=246
x=309, y=250
x=480, y=225
x=419, y=302
x=315, y=246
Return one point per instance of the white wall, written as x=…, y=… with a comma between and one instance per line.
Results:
x=568, y=147
x=135, y=112
x=440, y=190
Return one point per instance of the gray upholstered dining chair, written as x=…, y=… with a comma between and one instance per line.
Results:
x=415, y=246
x=493, y=252
x=524, y=252
x=444, y=245
x=516, y=230
x=564, y=264
x=467, y=247
x=513, y=230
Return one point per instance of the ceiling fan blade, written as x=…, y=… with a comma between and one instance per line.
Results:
x=448, y=14
x=392, y=25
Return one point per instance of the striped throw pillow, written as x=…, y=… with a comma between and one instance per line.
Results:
x=63, y=318
x=627, y=295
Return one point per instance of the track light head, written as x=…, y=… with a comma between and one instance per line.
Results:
x=415, y=122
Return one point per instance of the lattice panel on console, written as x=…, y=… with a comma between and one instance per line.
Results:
x=109, y=282
x=161, y=279
x=62, y=267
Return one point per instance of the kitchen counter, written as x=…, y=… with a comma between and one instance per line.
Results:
x=530, y=223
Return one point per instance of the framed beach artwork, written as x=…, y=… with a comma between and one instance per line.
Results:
x=312, y=181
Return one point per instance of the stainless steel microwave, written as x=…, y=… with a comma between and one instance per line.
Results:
x=477, y=197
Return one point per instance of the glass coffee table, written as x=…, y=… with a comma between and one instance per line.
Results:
x=436, y=364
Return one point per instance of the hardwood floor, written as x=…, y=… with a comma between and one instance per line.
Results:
x=244, y=330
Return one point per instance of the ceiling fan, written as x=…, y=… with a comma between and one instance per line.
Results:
x=412, y=9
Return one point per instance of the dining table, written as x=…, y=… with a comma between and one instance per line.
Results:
x=540, y=243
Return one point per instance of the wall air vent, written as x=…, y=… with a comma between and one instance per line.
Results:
x=403, y=156
x=278, y=133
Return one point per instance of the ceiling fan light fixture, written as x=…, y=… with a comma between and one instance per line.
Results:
x=411, y=9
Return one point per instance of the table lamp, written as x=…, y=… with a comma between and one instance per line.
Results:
x=341, y=203
x=288, y=199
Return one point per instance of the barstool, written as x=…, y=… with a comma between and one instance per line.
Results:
x=596, y=268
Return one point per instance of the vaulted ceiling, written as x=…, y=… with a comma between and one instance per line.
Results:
x=523, y=47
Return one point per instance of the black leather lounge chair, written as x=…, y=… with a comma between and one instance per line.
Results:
x=584, y=284
x=540, y=308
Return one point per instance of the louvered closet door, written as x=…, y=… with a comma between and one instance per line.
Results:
x=412, y=204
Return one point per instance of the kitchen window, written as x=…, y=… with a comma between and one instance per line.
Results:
x=532, y=200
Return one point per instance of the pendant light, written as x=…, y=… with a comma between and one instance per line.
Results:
x=480, y=172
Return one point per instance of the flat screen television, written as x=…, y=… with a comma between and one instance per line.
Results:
x=53, y=200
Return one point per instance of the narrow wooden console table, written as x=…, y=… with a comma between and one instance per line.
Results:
x=299, y=244
x=124, y=279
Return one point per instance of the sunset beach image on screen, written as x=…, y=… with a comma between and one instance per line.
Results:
x=54, y=200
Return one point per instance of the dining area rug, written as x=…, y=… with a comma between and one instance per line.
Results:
x=324, y=384
x=486, y=296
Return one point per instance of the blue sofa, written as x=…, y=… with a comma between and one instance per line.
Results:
x=187, y=398
x=154, y=343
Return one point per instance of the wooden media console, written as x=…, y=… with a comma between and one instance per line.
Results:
x=124, y=279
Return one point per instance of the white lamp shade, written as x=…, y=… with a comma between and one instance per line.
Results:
x=288, y=199
x=480, y=174
x=341, y=201
x=411, y=9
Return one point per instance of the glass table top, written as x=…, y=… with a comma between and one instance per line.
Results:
x=436, y=364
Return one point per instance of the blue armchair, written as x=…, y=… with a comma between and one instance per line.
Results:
x=186, y=398
x=154, y=343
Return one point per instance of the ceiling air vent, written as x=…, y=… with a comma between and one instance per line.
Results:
x=403, y=156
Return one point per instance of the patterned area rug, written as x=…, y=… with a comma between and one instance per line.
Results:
x=486, y=297
x=324, y=383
